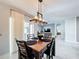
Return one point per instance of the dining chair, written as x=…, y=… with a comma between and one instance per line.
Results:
x=50, y=52
x=24, y=51
x=30, y=36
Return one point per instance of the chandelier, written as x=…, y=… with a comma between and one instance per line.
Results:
x=39, y=17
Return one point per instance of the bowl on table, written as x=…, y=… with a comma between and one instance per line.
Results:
x=31, y=42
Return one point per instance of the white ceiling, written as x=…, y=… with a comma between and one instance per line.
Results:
x=62, y=7
x=51, y=8
x=29, y=6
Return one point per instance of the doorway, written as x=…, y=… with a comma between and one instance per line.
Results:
x=16, y=28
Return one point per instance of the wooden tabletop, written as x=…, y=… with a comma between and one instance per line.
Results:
x=40, y=45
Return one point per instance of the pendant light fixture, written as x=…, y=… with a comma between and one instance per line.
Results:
x=39, y=17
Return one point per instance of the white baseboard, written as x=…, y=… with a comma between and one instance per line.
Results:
x=5, y=55
x=73, y=43
x=15, y=52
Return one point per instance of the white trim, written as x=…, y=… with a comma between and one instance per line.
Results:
x=10, y=34
x=11, y=22
x=72, y=42
x=76, y=28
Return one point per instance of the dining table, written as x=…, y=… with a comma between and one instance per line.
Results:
x=39, y=48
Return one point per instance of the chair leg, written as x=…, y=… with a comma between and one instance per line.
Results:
x=48, y=57
x=51, y=57
x=54, y=50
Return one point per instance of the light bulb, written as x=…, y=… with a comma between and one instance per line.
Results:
x=35, y=17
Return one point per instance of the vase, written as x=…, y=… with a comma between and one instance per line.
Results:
x=40, y=37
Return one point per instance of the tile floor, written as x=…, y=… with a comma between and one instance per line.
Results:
x=64, y=50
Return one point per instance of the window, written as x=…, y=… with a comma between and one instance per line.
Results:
x=26, y=29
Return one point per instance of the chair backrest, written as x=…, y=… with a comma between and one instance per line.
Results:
x=51, y=48
x=30, y=36
x=52, y=45
x=22, y=48
x=47, y=35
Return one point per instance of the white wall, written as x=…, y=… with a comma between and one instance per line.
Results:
x=18, y=28
x=18, y=24
x=4, y=29
x=27, y=7
x=70, y=29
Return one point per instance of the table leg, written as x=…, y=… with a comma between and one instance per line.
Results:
x=38, y=56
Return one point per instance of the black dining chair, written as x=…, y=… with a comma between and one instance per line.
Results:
x=24, y=51
x=50, y=52
x=30, y=36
